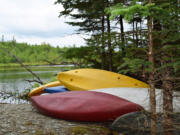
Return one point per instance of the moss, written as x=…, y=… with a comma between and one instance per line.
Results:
x=28, y=123
x=41, y=132
x=79, y=130
x=90, y=130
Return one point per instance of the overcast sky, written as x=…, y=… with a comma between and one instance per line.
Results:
x=36, y=21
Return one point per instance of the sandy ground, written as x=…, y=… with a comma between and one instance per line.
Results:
x=23, y=119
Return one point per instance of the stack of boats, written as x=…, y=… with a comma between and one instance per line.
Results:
x=90, y=95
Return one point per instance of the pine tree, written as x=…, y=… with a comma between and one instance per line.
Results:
x=163, y=54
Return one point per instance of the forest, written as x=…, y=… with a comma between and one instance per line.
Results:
x=150, y=49
x=30, y=54
x=150, y=44
x=44, y=53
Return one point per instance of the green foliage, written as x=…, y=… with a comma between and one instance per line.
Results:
x=87, y=13
x=76, y=52
x=81, y=56
x=130, y=12
x=133, y=66
x=46, y=54
x=43, y=53
x=176, y=65
x=36, y=85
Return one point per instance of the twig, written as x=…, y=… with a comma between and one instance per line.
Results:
x=30, y=81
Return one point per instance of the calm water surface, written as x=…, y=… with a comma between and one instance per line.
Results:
x=13, y=78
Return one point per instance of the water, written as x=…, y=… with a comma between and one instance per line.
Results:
x=14, y=78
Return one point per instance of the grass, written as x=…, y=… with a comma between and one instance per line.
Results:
x=91, y=130
x=32, y=66
x=18, y=65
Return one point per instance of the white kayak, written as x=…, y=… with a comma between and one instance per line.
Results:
x=141, y=96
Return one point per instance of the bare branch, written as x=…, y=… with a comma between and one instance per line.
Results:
x=30, y=81
x=21, y=63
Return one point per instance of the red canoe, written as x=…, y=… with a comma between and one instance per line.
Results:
x=84, y=106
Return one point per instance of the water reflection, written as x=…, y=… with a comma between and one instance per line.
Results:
x=13, y=78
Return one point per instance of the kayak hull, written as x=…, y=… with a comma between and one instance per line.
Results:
x=141, y=96
x=87, y=79
x=56, y=89
x=87, y=106
x=40, y=90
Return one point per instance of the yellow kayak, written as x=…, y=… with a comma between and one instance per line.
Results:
x=87, y=79
x=39, y=90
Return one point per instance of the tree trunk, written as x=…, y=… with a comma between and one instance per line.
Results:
x=109, y=44
x=122, y=36
x=2, y=39
x=167, y=85
x=167, y=94
x=137, y=40
x=151, y=79
x=167, y=105
x=140, y=34
x=133, y=30
x=103, y=55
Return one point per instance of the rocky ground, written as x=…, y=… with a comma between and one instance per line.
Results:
x=23, y=119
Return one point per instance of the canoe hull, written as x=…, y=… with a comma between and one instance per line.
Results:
x=84, y=106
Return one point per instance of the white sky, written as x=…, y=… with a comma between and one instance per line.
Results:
x=36, y=21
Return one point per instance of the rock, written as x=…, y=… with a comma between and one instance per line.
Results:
x=132, y=123
x=138, y=123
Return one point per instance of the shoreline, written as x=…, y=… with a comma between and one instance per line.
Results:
x=35, y=64
x=24, y=119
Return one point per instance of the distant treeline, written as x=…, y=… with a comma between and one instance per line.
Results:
x=83, y=56
x=31, y=53
x=134, y=64
x=47, y=54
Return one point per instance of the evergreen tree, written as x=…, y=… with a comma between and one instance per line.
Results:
x=164, y=61
x=94, y=21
